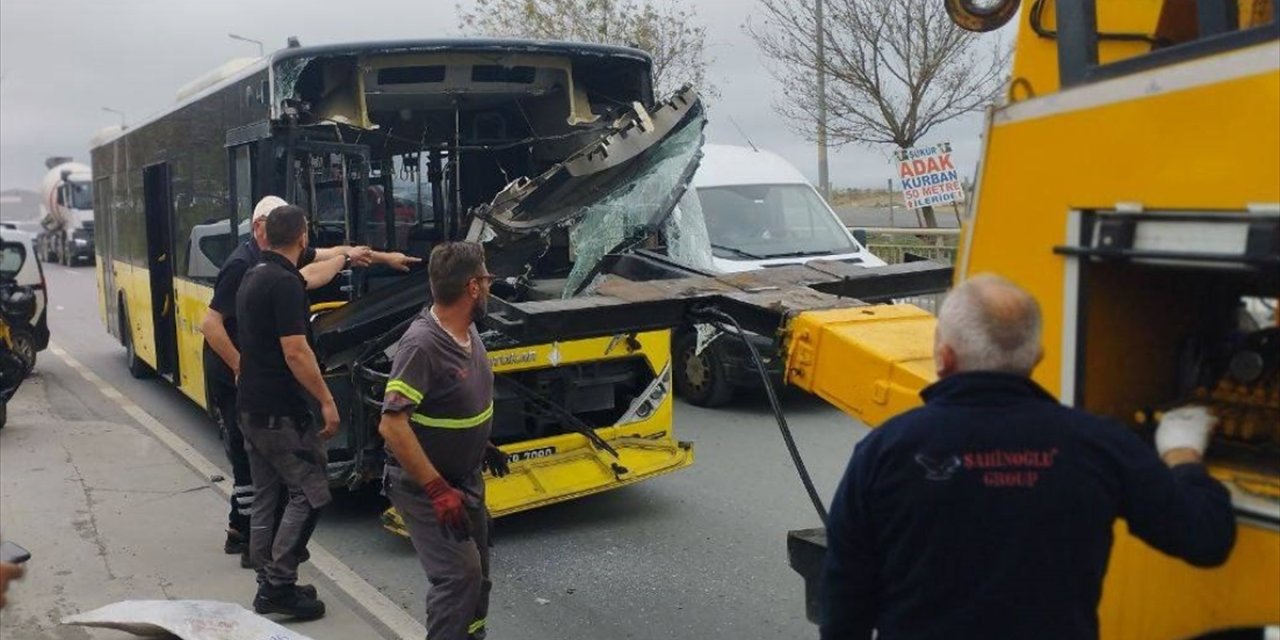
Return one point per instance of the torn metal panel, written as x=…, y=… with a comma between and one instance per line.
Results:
x=561, y=195
x=636, y=206
x=186, y=619
x=393, y=81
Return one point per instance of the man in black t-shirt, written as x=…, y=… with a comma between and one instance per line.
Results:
x=278, y=373
x=222, y=353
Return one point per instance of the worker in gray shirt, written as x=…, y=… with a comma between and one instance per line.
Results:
x=437, y=415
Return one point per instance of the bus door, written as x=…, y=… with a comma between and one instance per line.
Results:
x=158, y=209
x=104, y=248
x=331, y=182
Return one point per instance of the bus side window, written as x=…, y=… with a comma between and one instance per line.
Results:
x=243, y=182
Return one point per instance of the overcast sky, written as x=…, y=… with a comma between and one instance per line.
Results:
x=63, y=62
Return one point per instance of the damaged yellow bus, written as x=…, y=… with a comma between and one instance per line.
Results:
x=552, y=154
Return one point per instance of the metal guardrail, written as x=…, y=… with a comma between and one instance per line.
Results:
x=912, y=231
x=934, y=244
x=939, y=245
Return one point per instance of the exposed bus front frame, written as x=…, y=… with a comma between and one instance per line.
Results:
x=391, y=145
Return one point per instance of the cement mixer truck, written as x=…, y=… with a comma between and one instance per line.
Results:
x=66, y=212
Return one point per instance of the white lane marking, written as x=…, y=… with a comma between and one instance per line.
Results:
x=364, y=594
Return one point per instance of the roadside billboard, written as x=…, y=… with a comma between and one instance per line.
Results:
x=928, y=176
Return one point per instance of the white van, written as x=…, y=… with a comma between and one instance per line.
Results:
x=760, y=212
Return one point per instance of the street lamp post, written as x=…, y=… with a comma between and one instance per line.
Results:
x=261, y=51
x=119, y=113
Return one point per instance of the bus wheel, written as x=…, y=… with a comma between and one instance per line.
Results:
x=137, y=367
x=700, y=378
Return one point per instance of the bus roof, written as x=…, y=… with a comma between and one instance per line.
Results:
x=436, y=45
x=468, y=45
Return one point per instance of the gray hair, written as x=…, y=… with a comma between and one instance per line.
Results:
x=992, y=325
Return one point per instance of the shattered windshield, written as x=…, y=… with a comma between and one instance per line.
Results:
x=631, y=209
x=770, y=221
x=686, y=232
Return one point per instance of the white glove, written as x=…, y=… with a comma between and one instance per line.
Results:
x=1185, y=428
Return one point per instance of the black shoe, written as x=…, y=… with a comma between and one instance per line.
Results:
x=236, y=543
x=307, y=590
x=288, y=600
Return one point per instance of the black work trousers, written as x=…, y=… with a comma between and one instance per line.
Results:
x=458, y=571
x=288, y=461
x=222, y=397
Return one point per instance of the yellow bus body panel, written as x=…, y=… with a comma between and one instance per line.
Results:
x=568, y=466
x=135, y=285
x=193, y=302
x=548, y=470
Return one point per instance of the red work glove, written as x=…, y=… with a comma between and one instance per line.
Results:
x=447, y=503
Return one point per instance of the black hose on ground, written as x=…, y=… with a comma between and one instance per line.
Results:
x=719, y=317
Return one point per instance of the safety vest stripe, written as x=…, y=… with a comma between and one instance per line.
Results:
x=455, y=423
x=403, y=388
x=476, y=626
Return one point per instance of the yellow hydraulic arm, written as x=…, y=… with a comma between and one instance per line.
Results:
x=870, y=362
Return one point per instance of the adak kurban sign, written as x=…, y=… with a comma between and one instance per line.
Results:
x=928, y=177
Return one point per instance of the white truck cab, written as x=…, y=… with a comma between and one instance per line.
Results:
x=762, y=212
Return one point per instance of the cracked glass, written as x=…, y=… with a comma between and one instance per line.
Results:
x=621, y=219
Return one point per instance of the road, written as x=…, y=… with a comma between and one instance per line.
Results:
x=696, y=554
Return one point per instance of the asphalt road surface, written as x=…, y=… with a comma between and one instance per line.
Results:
x=696, y=554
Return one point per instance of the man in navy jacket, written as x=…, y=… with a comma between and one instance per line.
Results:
x=988, y=512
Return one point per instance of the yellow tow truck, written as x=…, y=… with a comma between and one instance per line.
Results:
x=1131, y=181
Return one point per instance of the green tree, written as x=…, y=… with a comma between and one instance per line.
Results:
x=672, y=34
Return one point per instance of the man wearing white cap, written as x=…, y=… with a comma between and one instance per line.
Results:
x=222, y=355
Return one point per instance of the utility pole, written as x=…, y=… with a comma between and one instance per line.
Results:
x=824, y=182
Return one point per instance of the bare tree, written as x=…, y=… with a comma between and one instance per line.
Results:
x=894, y=69
x=671, y=33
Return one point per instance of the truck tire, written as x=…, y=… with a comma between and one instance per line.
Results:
x=700, y=378
x=138, y=368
